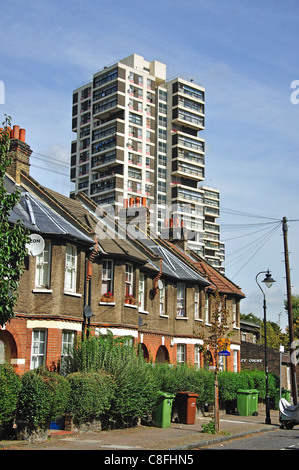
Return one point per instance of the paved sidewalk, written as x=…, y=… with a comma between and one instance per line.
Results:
x=179, y=437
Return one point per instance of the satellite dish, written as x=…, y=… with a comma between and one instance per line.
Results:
x=160, y=284
x=87, y=311
x=140, y=322
x=36, y=245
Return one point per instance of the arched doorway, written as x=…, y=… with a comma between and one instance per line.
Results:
x=144, y=351
x=7, y=347
x=162, y=355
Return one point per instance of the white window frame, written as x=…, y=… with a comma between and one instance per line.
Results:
x=181, y=299
x=196, y=302
x=222, y=363
x=67, y=344
x=129, y=279
x=197, y=356
x=207, y=308
x=181, y=353
x=162, y=298
x=107, y=276
x=70, y=274
x=234, y=312
x=141, y=293
x=235, y=360
x=43, y=267
x=38, y=348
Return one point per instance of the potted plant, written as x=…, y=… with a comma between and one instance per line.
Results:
x=107, y=297
x=130, y=299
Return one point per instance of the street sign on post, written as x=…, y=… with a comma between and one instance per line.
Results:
x=224, y=353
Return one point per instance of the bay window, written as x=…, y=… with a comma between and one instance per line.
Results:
x=129, y=280
x=141, y=293
x=70, y=268
x=207, y=313
x=38, y=349
x=43, y=267
x=180, y=299
x=107, y=276
x=162, y=310
x=181, y=353
x=67, y=345
x=196, y=302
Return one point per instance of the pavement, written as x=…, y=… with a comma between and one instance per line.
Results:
x=178, y=437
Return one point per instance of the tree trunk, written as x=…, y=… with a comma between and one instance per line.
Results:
x=216, y=405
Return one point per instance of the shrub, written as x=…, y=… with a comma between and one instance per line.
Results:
x=59, y=389
x=135, y=388
x=10, y=385
x=42, y=398
x=136, y=393
x=208, y=393
x=181, y=377
x=230, y=382
x=209, y=427
x=90, y=395
x=259, y=383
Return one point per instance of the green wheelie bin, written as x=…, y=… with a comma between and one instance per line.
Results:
x=247, y=401
x=162, y=413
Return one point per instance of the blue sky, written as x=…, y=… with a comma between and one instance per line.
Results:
x=245, y=53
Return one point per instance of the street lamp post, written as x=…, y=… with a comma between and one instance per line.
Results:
x=268, y=281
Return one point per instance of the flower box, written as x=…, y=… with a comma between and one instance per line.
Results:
x=108, y=297
x=130, y=299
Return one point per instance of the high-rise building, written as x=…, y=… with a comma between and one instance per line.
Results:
x=139, y=140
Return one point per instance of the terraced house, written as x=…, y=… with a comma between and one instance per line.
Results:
x=146, y=288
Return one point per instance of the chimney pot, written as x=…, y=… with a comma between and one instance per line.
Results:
x=15, y=133
x=22, y=135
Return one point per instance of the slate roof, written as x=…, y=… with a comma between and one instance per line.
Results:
x=82, y=215
x=172, y=265
x=38, y=217
x=217, y=280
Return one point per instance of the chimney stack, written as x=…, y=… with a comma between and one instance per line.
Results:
x=20, y=153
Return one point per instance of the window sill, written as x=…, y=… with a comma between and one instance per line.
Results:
x=131, y=306
x=109, y=304
x=73, y=294
x=144, y=312
x=163, y=316
x=42, y=291
x=198, y=319
x=181, y=318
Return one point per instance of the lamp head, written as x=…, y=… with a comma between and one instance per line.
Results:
x=268, y=279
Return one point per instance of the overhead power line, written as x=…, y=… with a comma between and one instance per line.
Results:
x=48, y=169
x=65, y=165
x=256, y=247
x=244, y=214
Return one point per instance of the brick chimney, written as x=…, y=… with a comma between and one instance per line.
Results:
x=20, y=153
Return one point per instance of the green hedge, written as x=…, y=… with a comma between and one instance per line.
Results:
x=135, y=387
x=42, y=398
x=10, y=386
x=186, y=378
x=136, y=394
x=90, y=395
x=111, y=381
